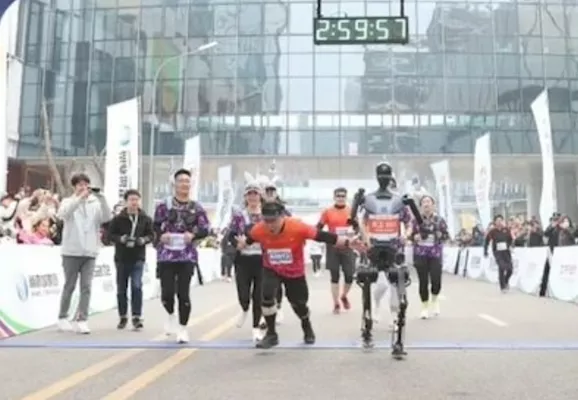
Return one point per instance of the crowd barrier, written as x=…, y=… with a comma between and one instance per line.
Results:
x=529, y=269
x=31, y=280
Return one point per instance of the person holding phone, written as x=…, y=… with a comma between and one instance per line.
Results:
x=82, y=214
x=130, y=231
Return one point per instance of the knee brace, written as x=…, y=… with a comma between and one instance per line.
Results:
x=269, y=311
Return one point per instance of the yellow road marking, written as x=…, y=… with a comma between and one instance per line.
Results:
x=142, y=381
x=93, y=370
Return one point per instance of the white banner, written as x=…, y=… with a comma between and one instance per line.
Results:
x=563, y=279
x=226, y=196
x=3, y=119
x=122, y=149
x=548, y=201
x=31, y=281
x=192, y=162
x=441, y=172
x=483, y=178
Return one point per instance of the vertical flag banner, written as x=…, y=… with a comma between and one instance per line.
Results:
x=192, y=162
x=226, y=196
x=483, y=178
x=122, y=157
x=3, y=118
x=441, y=173
x=548, y=201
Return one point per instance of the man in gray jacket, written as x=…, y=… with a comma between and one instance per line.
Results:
x=82, y=215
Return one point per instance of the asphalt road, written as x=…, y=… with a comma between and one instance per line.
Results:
x=485, y=345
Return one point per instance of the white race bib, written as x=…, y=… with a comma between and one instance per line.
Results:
x=501, y=246
x=343, y=231
x=429, y=241
x=177, y=241
x=280, y=257
x=252, y=250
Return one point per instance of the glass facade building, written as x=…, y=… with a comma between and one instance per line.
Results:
x=471, y=67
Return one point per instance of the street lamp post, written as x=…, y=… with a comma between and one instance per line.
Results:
x=156, y=122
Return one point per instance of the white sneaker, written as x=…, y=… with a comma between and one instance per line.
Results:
x=182, y=335
x=82, y=327
x=317, y=274
x=435, y=308
x=424, y=313
x=64, y=325
x=257, y=334
x=171, y=325
x=242, y=318
x=280, y=317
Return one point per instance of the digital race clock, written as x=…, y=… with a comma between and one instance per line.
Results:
x=361, y=30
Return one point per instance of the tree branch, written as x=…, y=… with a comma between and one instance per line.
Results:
x=47, y=137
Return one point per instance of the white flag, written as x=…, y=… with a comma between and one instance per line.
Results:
x=483, y=178
x=192, y=162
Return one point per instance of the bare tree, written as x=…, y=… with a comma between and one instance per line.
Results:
x=63, y=186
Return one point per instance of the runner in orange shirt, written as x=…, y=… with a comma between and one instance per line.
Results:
x=336, y=219
x=283, y=239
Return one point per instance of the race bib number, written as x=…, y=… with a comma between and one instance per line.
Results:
x=429, y=241
x=280, y=257
x=383, y=227
x=501, y=246
x=343, y=231
x=252, y=250
x=177, y=241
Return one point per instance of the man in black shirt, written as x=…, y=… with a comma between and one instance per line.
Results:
x=130, y=231
x=502, y=240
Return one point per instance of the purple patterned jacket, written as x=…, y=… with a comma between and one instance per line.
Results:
x=432, y=246
x=239, y=226
x=199, y=227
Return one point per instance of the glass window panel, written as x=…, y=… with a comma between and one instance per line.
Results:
x=352, y=64
x=251, y=19
x=300, y=143
x=556, y=45
x=482, y=95
x=327, y=64
x=351, y=8
x=225, y=19
x=30, y=100
x=301, y=64
x=554, y=66
x=276, y=21
x=352, y=98
x=300, y=18
x=327, y=94
x=327, y=143
x=424, y=15
x=300, y=44
x=430, y=64
x=300, y=94
x=200, y=21
x=509, y=95
x=457, y=95
x=30, y=125
x=531, y=66
x=507, y=65
x=529, y=17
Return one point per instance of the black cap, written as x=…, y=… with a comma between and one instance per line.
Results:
x=272, y=210
x=383, y=169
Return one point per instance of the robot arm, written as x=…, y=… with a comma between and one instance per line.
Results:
x=358, y=201
x=409, y=202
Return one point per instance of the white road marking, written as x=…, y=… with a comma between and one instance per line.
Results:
x=493, y=320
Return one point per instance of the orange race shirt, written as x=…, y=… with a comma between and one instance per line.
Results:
x=336, y=220
x=283, y=252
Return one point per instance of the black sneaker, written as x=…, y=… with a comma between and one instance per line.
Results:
x=137, y=323
x=122, y=323
x=271, y=339
x=308, y=334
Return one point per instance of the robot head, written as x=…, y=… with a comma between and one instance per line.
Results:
x=384, y=174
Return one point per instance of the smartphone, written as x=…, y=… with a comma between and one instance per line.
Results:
x=95, y=190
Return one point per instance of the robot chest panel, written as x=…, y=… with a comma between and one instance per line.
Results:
x=377, y=206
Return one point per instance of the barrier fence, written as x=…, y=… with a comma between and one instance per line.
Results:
x=31, y=280
x=529, y=269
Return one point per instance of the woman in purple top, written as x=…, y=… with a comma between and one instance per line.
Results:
x=178, y=222
x=427, y=255
x=248, y=261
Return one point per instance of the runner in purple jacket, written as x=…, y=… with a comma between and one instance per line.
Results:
x=428, y=241
x=179, y=222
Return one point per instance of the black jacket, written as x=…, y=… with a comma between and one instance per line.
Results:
x=121, y=225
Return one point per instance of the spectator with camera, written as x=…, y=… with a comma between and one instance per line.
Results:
x=8, y=211
x=82, y=215
x=40, y=233
x=130, y=231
